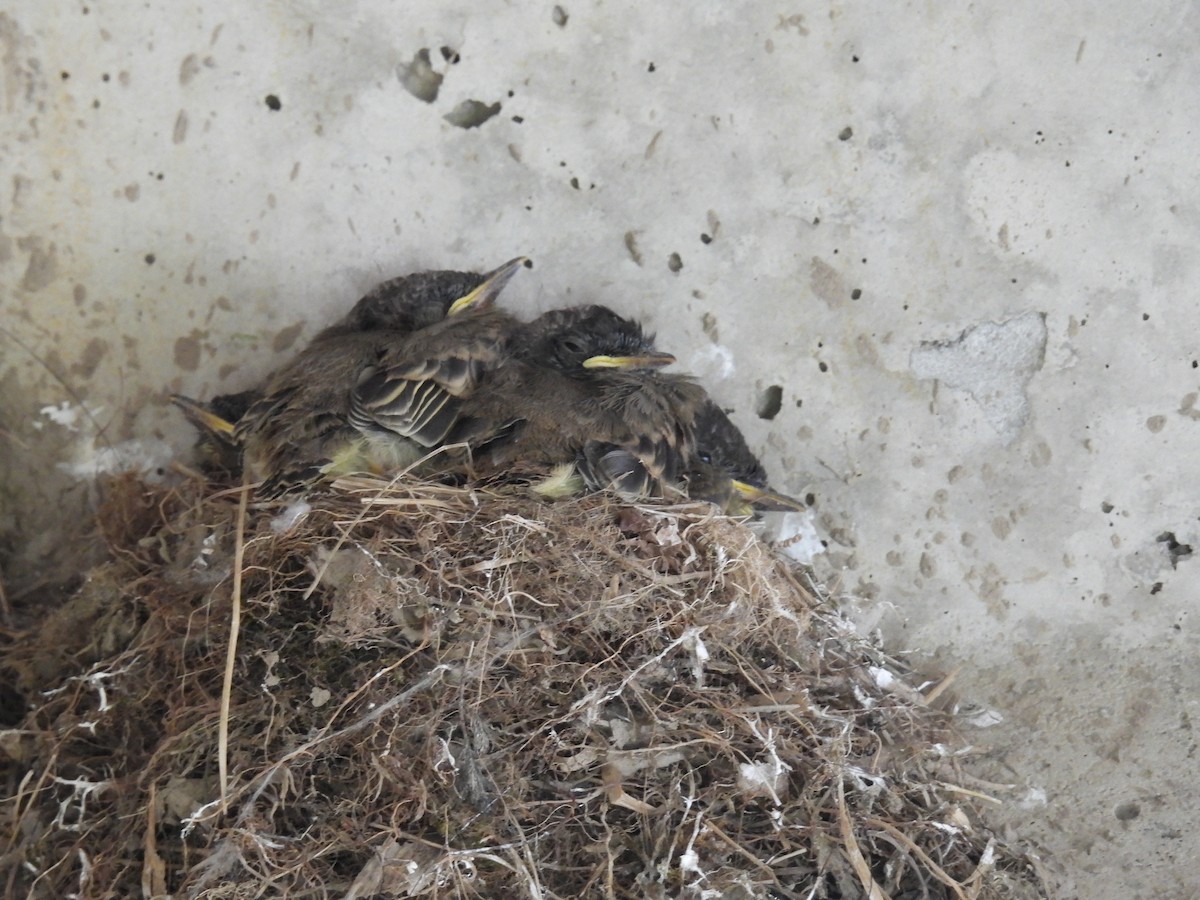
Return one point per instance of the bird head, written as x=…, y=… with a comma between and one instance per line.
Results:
x=412, y=302
x=486, y=293
x=721, y=443
x=583, y=338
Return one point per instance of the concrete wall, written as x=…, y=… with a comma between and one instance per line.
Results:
x=960, y=238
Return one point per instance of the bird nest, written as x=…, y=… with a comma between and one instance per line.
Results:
x=411, y=690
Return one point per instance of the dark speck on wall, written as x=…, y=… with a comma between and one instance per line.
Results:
x=632, y=247
x=286, y=337
x=471, y=113
x=770, y=401
x=674, y=262
x=846, y=133
x=150, y=257
x=823, y=366
x=1175, y=550
x=451, y=55
x=855, y=294
x=273, y=103
x=650, y=68
x=1127, y=812
x=705, y=239
x=559, y=15
x=419, y=77
x=187, y=352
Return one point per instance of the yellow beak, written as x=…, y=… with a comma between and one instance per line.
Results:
x=485, y=295
x=650, y=360
x=767, y=499
x=201, y=417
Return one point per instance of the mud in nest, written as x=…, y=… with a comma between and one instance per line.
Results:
x=460, y=693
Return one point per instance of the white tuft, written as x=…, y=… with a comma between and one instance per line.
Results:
x=797, y=537
x=147, y=456
x=64, y=414
x=712, y=362
x=290, y=516
x=1034, y=797
x=985, y=718
x=882, y=677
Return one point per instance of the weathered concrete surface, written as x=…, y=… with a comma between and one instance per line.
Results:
x=960, y=241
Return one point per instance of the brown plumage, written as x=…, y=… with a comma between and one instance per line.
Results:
x=585, y=376
x=716, y=465
x=724, y=471
x=300, y=429
x=418, y=390
x=535, y=395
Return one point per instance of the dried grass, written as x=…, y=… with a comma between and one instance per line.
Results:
x=456, y=692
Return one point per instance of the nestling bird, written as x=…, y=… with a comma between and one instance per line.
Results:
x=585, y=374
x=580, y=386
x=399, y=306
x=726, y=472
x=411, y=368
x=720, y=469
x=535, y=394
x=215, y=422
x=299, y=429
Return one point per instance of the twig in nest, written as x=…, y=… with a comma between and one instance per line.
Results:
x=938, y=689
x=853, y=851
x=235, y=621
x=934, y=869
x=978, y=795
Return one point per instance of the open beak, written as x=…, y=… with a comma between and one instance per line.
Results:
x=652, y=359
x=767, y=499
x=493, y=283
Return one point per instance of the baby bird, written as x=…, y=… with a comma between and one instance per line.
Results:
x=299, y=430
x=581, y=376
x=719, y=468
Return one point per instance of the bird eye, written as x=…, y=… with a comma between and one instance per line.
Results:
x=571, y=345
x=705, y=457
